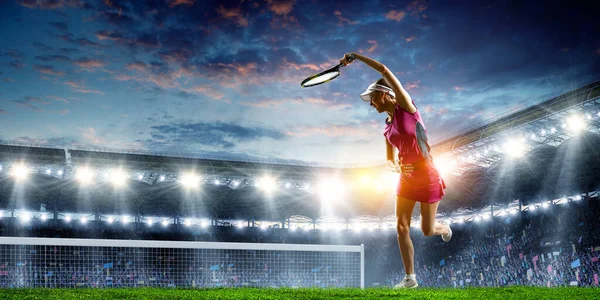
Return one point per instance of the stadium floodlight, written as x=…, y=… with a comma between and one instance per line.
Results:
x=235, y=183
x=217, y=182
x=263, y=226
x=543, y=132
x=306, y=228
x=83, y=220
x=149, y=221
x=577, y=198
x=165, y=223
x=124, y=220
x=240, y=225
x=331, y=189
x=204, y=224
x=502, y=213
x=513, y=211
x=545, y=205
x=140, y=177
x=293, y=228
x=461, y=220
x=187, y=223
x=20, y=171
x=514, y=148
x=552, y=130
x=60, y=172
x=267, y=184
x=575, y=124
x=44, y=217
x=486, y=217
x=477, y=219
x=588, y=116
x=48, y=171
x=110, y=220
x=161, y=178
x=532, y=207
x=118, y=177
x=287, y=185
x=190, y=180
x=357, y=227
x=25, y=217
x=445, y=164
x=84, y=175
x=68, y=218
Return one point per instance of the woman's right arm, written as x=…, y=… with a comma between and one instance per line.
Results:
x=391, y=161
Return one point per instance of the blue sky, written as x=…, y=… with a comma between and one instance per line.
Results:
x=224, y=76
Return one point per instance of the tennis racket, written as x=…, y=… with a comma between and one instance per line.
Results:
x=325, y=76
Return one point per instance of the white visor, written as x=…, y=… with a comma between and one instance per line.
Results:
x=376, y=87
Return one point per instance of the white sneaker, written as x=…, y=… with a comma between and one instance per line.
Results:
x=446, y=237
x=406, y=283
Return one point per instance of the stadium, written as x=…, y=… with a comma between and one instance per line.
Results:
x=102, y=218
x=184, y=149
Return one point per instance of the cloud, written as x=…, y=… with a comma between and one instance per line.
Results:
x=83, y=42
x=53, y=58
x=62, y=26
x=49, y=4
x=9, y=80
x=2, y=111
x=206, y=90
x=87, y=63
x=417, y=7
x=16, y=64
x=14, y=53
x=81, y=88
x=373, y=44
x=173, y=3
x=342, y=20
x=271, y=103
x=48, y=70
x=90, y=135
x=331, y=131
x=409, y=86
x=281, y=7
x=60, y=99
x=218, y=134
x=31, y=103
x=234, y=14
x=396, y=15
x=410, y=39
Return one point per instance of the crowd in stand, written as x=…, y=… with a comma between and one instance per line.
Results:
x=558, y=246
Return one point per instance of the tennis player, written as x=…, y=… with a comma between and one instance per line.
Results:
x=419, y=181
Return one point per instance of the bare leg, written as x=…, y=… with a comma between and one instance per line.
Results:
x=404, y=208
x=428, y=223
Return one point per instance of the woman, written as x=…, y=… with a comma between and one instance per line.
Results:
x=419, y=181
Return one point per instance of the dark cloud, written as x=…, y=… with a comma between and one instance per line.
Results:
x=212, y=134
x=14, y=53
x=42, y=47
x=53, y=58
x=61, y=26
x=16, y=64
x=83, y=42
x=45, y=69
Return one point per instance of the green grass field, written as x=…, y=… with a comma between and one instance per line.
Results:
x=288, y=293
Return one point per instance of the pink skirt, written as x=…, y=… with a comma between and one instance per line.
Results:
x=424, y=184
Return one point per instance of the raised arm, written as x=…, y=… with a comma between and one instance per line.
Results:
x=402, y=97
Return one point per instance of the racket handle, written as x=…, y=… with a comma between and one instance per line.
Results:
x=350, y=58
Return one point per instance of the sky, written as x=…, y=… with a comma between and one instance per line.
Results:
x=223, y=77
